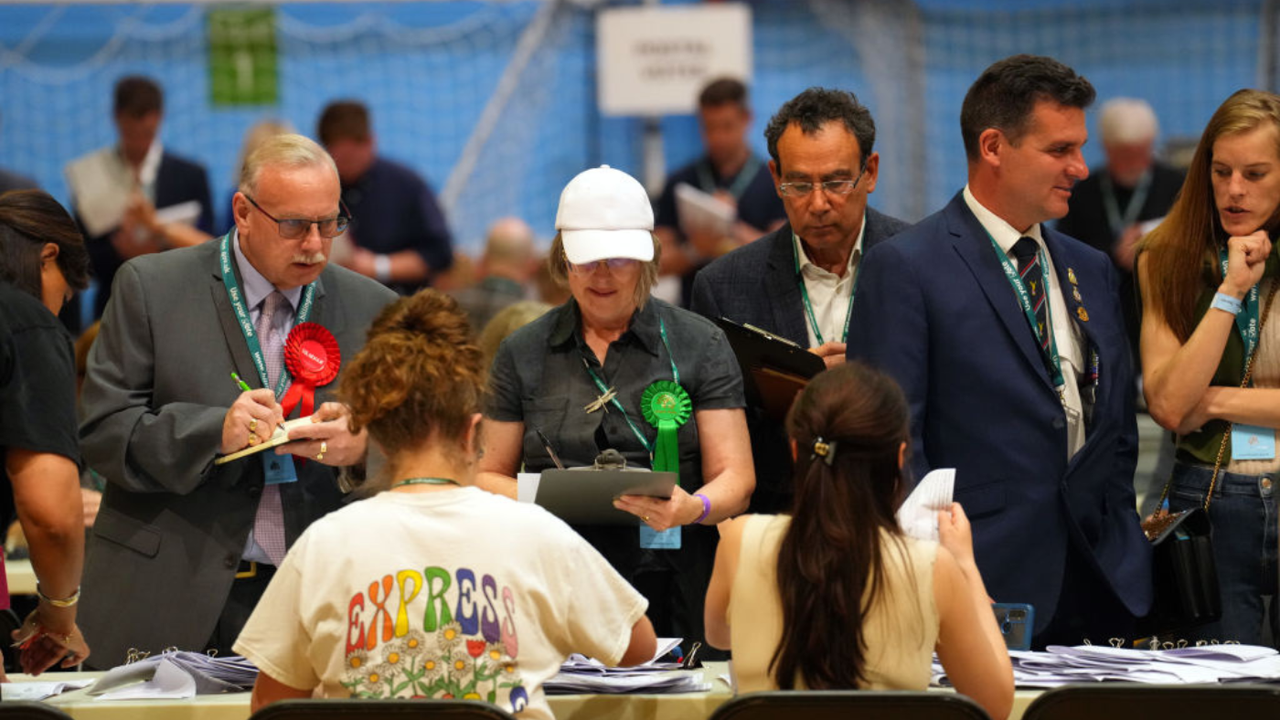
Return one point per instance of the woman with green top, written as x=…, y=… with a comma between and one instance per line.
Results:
x=1211, y=357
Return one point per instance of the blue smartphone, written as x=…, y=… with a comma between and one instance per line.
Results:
x=1016, y=622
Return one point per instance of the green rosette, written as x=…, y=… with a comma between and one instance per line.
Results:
x=666, y=406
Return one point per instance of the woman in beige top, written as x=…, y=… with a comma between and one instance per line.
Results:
x=1207, y=275
x=835, y=596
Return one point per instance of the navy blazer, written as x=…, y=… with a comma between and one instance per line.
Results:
x=756, y=284
x=731, y=285
x=935, y=310
x=177, y=181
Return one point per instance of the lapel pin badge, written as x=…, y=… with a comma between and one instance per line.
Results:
x=1071, y=276
x=1082, y=313
x=1075, y=293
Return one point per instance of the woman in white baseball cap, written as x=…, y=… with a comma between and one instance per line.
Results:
x=615, y=368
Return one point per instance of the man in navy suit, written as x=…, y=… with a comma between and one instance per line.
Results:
x=1008, y=340
x=159, y=180
x=797, y=282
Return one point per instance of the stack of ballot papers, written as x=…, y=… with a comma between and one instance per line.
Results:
x=918, y=515
x=584, y=675
x=33, y=691
x=1060, y=665
x=177, y=674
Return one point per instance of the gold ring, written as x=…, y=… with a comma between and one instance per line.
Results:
x=253, y=425
x=253, y=439
x=324, y=448
x=645, y=518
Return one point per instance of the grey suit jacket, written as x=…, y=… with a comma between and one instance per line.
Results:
x=756, y=284
x=172, y=527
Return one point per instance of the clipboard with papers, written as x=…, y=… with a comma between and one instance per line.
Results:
x=279, y=437
x=774, y=369
x=584, y=496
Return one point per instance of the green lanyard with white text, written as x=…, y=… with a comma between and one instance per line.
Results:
x=604, y=389
x=808, y=306
x=1024, y=299
x=242, y=315
x=1247, y=318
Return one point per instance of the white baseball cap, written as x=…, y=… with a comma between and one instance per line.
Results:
x=605, y=213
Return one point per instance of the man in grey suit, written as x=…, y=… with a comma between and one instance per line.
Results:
x=797, y=282
x=182, y=548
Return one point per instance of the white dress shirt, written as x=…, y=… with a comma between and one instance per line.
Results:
x=1065, y=333
x=828, y=293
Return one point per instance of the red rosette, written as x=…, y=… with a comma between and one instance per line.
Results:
x=312, y=357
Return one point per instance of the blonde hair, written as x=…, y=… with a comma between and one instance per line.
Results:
x=287, y=150
x=558, y=267
x=506, y=321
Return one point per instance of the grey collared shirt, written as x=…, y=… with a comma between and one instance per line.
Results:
x=538, y=378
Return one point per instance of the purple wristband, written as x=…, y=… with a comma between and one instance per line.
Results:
x=706, y=508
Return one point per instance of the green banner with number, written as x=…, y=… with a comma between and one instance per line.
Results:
x=243, y=57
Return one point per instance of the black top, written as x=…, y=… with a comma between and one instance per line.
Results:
x=37, y=385
x=394, y=209
x=538, y=378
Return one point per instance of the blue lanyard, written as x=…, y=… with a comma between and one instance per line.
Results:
x=1247, y=318
x=242, y=315
x=804, y=295
x=675, y=373
x=1024, y=299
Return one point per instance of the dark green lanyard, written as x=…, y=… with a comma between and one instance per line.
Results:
x=740, y=182
x=242, y=315
x=804, y=293
x=1024, y=299
x=604, y=389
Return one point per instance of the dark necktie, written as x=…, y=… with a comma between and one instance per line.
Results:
x=1027, y=251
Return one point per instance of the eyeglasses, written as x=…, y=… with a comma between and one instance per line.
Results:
x=838, y=188
x=292, y=229
x=614, y=265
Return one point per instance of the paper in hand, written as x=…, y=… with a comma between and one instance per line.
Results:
x=918, y=516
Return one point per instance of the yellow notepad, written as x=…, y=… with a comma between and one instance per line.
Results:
x=279, y=437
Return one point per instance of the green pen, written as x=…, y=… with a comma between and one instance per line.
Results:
x=243, y=385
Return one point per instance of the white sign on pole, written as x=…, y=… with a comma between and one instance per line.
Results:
x=655, y=60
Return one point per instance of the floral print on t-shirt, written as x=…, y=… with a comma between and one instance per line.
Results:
x=434, y=634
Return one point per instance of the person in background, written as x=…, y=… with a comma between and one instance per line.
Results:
x=253, y=137
x=416, y=386
x=42, y=260
x=397, y=228
x=1208, y=274
x=587, y=376
x=731, y=173
x=1110, y=208
x=838, y=565
x=508, y=320
x=505, y=272
x=155, y=179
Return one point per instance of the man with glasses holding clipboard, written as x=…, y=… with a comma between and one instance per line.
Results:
x=183, y=547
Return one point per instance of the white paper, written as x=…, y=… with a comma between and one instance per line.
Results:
x=168, y=682
x=703, y=212
x=184, y=212
x=100, y=186
x=665, y=645
x=527, y=486
x=918, y=516
x=34, y=691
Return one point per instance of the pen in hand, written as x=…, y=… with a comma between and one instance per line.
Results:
x=546, y=444
x=243, y=385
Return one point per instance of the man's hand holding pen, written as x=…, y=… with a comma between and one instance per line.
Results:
x=250, y=420
x=327, y=438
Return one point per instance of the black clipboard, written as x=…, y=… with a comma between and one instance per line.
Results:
x=584, y=496
x=774, y=369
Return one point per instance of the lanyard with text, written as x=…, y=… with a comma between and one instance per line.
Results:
x=604, y=389
x=1247, y=318
x=1024, y=299
x=740, y=182
x=808, y=306
x=1117, y=222
x=242, y=315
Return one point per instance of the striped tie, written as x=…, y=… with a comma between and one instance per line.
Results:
x=1027, y=251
